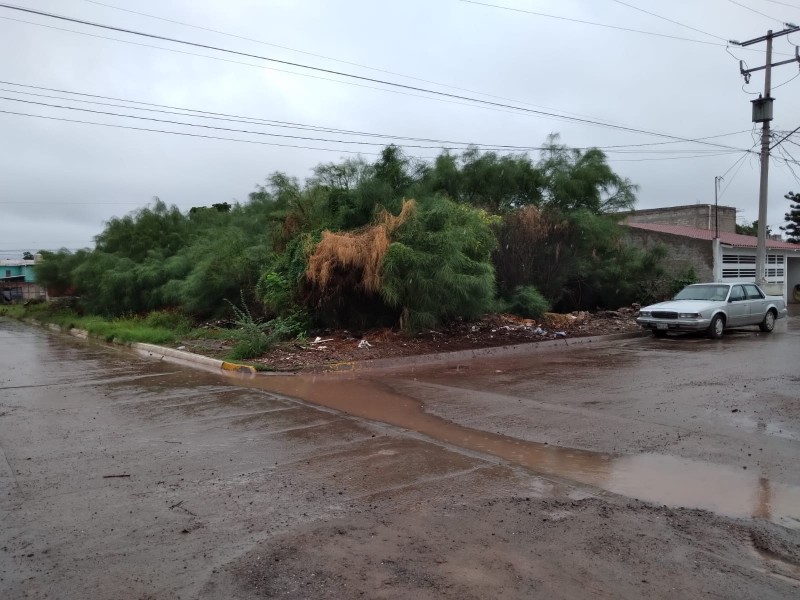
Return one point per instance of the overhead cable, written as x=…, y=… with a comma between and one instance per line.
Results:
x=182, y=111
x=360, y=77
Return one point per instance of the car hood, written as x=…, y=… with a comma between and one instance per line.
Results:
x=684, y=305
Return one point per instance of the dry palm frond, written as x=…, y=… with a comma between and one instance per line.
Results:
x=359, y=253
x=391, y=222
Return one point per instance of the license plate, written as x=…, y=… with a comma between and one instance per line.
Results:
x=662, y=326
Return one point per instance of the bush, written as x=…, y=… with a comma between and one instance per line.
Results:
x=438, y=266
x=290, y=326
x=276, y=292
x=526, y=301
x=688, y=277
x=251, y=337
x=168, y=319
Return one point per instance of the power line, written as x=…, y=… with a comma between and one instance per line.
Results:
x=739, y=161
x=789, y=161
x=212, y=137
x=784, y=4
x=183, y=133
x=647, y=12
x=227, y=129
x=306, y=127
x=251, y=132
x=295, y=64
x=606, y=25
x=445, y=97
x=787, y=136
x=592, y=23
x=787, y=81
x=323, y=56
x=614, y=159
x=758, y=12
x=245, y=64
x=364, y=78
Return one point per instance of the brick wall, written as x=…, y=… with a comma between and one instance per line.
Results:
x=682, y=252
x=699, y=216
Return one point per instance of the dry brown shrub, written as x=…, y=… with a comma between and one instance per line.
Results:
x=391, y=222
x=361, y=253
x=530, y=243
x=558, y=320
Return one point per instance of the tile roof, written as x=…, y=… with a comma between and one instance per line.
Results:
x=729, y=239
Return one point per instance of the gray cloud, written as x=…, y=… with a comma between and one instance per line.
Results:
x=60, y=181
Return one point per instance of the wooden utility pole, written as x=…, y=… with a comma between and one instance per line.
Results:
x=762, y=113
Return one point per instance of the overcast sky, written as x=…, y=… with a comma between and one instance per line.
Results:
x=60, y=181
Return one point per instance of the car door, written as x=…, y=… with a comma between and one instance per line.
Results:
x=737, y=307
x=756, y=304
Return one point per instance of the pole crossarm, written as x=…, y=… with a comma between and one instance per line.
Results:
x=776, y=64
x=764, y=38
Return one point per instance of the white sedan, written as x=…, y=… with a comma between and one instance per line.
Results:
x=713, y=307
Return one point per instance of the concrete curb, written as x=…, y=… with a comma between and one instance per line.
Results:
x=154, y=351
x=459, y=355
x=163, y=353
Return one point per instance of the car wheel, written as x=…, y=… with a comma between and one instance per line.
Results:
x=659, y=333
x=716, y=327
x=768, y=324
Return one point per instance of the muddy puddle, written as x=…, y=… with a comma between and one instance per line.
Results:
x=661, y=479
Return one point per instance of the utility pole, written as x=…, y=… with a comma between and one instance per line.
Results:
x=717, y=179
x=762, y=113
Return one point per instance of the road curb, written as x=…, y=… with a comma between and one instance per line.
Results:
x=153, y=350
x=161, y=352
x=458, y=355
x=164, y=353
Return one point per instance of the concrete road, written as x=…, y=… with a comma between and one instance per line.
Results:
x=122, y=477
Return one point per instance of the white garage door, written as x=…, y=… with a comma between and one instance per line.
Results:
x=742, y=265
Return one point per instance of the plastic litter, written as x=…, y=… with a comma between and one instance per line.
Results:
x=364, y=344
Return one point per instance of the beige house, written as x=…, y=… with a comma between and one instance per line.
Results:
x=690, y=235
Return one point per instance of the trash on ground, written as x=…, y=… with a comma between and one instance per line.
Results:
x=364, y=344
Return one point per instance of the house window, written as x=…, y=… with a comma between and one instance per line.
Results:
x=8, y=272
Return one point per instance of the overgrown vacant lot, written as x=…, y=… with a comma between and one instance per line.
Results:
x=359, y=246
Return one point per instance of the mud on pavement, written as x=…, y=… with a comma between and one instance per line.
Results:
x=518, y=547
x=230, y=491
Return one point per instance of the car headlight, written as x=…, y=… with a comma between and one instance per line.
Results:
x=688, y=316
x=644, y=313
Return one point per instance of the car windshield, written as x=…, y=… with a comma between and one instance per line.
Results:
x=703, y=292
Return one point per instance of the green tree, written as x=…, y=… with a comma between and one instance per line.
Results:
x=751, y=228
x=576, y=179
x=438, y=265
x=56, y=271
x=553, y=216
x=792, y=218
x=134, y=235
x=487, y=180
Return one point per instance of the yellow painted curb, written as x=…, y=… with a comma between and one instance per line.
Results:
x=341, y=366
x=227, y=366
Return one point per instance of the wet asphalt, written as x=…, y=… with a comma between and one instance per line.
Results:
x=122, y=477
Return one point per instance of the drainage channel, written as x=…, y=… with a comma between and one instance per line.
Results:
x=656, y=478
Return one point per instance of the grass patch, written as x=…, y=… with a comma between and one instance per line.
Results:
x=13, y=311
x=126, y=330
